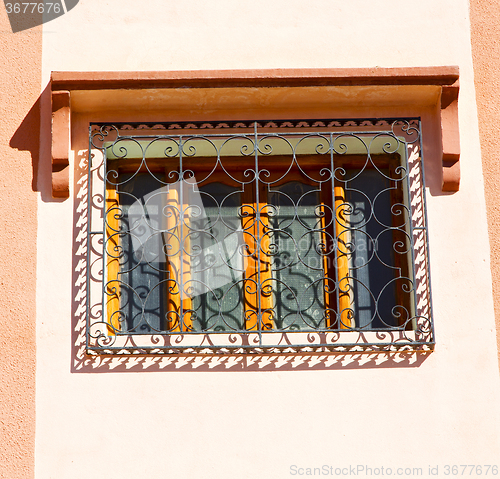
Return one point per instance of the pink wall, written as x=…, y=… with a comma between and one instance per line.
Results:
x=485, y=28
x=20, y=80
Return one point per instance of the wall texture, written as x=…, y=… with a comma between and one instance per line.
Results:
x=20, y=79
x=226, y=423
x=485, y=28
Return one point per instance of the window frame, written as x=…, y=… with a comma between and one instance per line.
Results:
x=253, y=342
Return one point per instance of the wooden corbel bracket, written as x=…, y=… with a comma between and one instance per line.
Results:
x=61, y=128
x=450, y=137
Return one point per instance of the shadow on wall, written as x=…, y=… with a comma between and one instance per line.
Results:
x=238, y=363
x=34, y=135
x=81, y=362
x=27, y=138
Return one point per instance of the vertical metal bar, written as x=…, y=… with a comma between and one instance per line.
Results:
x=104, y=230
x=89, y=242
x=181, y=233
x=257, y=232
x=335, y=239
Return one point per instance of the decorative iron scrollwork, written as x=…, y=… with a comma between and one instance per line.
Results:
x=257, y=236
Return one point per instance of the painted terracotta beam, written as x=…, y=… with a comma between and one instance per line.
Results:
x=446, y=78
x=255, y=78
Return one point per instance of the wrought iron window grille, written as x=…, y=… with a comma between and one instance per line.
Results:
x=257, y=236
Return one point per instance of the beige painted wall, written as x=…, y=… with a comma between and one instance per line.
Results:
x=20, y=77
x=257, y=424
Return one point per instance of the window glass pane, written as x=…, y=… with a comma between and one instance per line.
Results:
x=216, y=255
x=298, y=269
x=379, y=249
x=141, y=279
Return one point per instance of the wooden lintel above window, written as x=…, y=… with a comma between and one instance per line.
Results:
x=260, y=94
x=447, y=75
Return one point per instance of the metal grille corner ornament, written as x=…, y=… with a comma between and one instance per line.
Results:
x=257, y=236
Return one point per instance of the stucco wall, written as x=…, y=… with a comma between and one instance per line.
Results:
x=20, y=77
x=445, y=410
x=485, y=25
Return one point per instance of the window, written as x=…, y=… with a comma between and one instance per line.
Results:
x=258, y=236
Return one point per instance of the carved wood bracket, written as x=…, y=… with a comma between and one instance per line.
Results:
x=350, y=89
x=450, y=137
x=61, y=128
